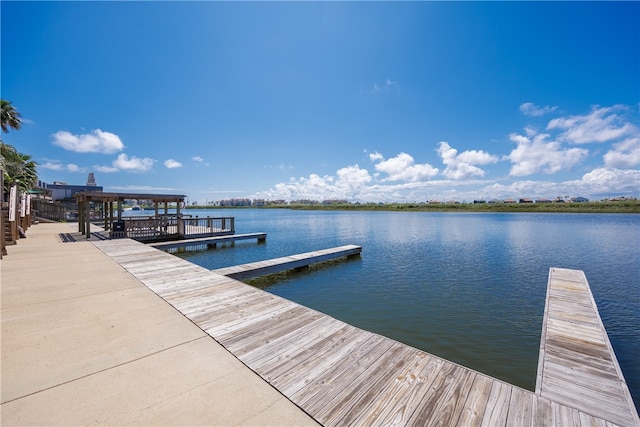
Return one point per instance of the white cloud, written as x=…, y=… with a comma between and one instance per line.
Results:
x=200, y=159
x=531, y=109
x=600, y=125
x=105, y=169
x=461, y=166
x=57, y=166
x=625, y=154
x=133, y=164
x=403, y=168
x=604, y=181
x=349, y=183
x=172, y=164
x=538, y=154
x=375, y=157
x=95, y=142
x=352, y=178
x=385, y=86
x=356, y=184
x=596, y=184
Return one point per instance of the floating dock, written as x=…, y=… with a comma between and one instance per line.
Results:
x=577, y=365
x=276, y=265
x=207, y=242
x=340, y=374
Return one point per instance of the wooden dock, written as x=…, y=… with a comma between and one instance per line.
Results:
x=207, y=242
x=276, y=265
x=337, y=373
x=577, y=365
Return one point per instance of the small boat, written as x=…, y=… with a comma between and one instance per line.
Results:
x=136, y=208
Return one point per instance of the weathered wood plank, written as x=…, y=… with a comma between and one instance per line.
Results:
x=293, y=345
x=204, y=241
x=367, y=401
x=577, y=366
x=282, y=325
x=498, y=405
x=228, y=315
x=476, y=404
x=388, y=398
x=566, y=416
x=315, y=381
x=213, y=302
x=230, y=324
x=402, y=406
x=520, y=408
x=298, y=369
x=275, y=265
x=439, y=405
x=356, y=394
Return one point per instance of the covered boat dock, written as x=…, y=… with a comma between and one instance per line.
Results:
x=107, y=200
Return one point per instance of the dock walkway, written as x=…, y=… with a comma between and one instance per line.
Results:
x=577, y=365
x=207, y=241
x=276, y=265
x=337, y=373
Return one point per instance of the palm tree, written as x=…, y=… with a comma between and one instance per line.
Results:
x=17, y=168
x=10, y=117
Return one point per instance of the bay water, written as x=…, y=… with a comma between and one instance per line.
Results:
x=468, y=287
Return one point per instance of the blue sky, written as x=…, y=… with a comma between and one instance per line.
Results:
x=382, y=101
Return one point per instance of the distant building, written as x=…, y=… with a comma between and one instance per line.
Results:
x=335, y=202
x=63, y=191
x=91, y=180
x=235, y=202
x=579, y=199
x=304, y=202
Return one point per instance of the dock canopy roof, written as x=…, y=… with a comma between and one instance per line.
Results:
x=99, y=196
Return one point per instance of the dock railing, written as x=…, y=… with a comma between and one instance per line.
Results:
x=168, y=227
x=204, y=227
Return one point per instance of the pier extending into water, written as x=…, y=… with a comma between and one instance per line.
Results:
x=208, y=242
x=340, y=374
x=276, y=265
x=577, y=365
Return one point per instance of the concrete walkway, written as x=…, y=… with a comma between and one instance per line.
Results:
x=85, y=343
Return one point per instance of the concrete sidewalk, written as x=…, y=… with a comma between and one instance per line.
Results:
x=84, y=342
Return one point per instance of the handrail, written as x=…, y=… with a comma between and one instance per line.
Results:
x=146, y=229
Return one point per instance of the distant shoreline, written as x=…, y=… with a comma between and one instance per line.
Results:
x=626, y=206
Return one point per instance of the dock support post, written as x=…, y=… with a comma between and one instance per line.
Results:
x=105, y=207
x=81, y=216
x=181, y=232
x=88, y=218
x=111, y=215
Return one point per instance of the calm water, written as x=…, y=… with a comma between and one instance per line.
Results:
x=469, y=287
